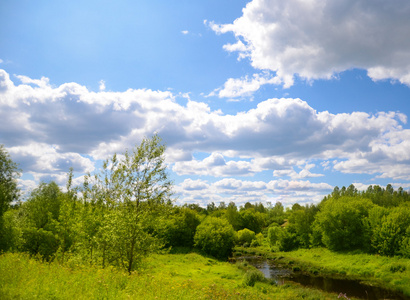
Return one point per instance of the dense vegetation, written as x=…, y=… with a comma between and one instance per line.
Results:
x=124, y=213
x=166, y=276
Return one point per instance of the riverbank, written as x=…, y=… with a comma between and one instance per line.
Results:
x=166, y=276
x=386, y=272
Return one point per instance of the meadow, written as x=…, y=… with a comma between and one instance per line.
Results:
x=161, y=276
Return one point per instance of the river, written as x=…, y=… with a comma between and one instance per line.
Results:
x=343, y=287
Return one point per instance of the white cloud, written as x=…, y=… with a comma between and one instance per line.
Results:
x=245, y=86
x=319, y=38
x=242, y=191
x=215, y=165
x=185, y=32
x=102, y=85
x=43, y=160
x=47, y=129
x=303, y=173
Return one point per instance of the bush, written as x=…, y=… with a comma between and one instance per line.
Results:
x=258, y=240
x=216, y=237
x=245, y=236
x=253, y=276
x=273, y=235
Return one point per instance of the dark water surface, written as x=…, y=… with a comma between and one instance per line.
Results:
x=350, y=288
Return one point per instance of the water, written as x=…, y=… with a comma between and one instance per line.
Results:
x=350, y=288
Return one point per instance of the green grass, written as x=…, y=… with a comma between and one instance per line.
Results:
x=170, y=276
x=388, y=272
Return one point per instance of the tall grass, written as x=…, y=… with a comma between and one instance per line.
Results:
x=178, y=276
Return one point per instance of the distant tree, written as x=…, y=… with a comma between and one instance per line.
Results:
x=179, y=228
x=276, y=214
x=211, y=207
x=252, y=219
x=233, y=216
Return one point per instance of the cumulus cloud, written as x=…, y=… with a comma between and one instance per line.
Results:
x=215, y=165
x=319, y=38
x=303, y=173
x=245, y=86
x=242, y=191
x=49, y=128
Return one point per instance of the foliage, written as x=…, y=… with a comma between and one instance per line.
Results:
x=342, y=223
x=245, y=236
x=388, y=237
x=258, y=241
x=252, y=219
x=178, y=230
x=9, y=173
x=216, y=237
x=274, y=233
x=130, y=198
x=39, y=217
x=9, y=192
x=300, y=223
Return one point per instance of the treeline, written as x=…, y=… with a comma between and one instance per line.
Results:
x=373, y=221
x=125, y=212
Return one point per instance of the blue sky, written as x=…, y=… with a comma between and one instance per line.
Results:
x=260, y=100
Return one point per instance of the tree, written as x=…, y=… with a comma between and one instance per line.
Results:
x=215, y=236
x=40, y=215
x=276, y=214
x=232, y=215
x=389, y=235
x=300, y=222
x=252, y=219
x=9, y=192
x=342, y=223
x=9, y=173
x=178, y=230
x=136, y=190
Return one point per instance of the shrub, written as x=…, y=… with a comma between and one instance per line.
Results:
x=258, y=240
x=253, y=276
x=216, y=237
x=245, y=236
x=273, y=235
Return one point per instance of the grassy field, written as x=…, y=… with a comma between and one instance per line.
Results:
x=388, y=272
x=169, y=276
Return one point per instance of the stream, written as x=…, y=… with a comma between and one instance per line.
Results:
x=345, y=288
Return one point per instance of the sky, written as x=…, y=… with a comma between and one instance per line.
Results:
x=257, y=101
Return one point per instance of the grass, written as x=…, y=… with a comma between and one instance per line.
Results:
x=169, y=276
x=387, y=272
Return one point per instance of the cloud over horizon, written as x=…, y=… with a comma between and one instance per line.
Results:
x=50, y=128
